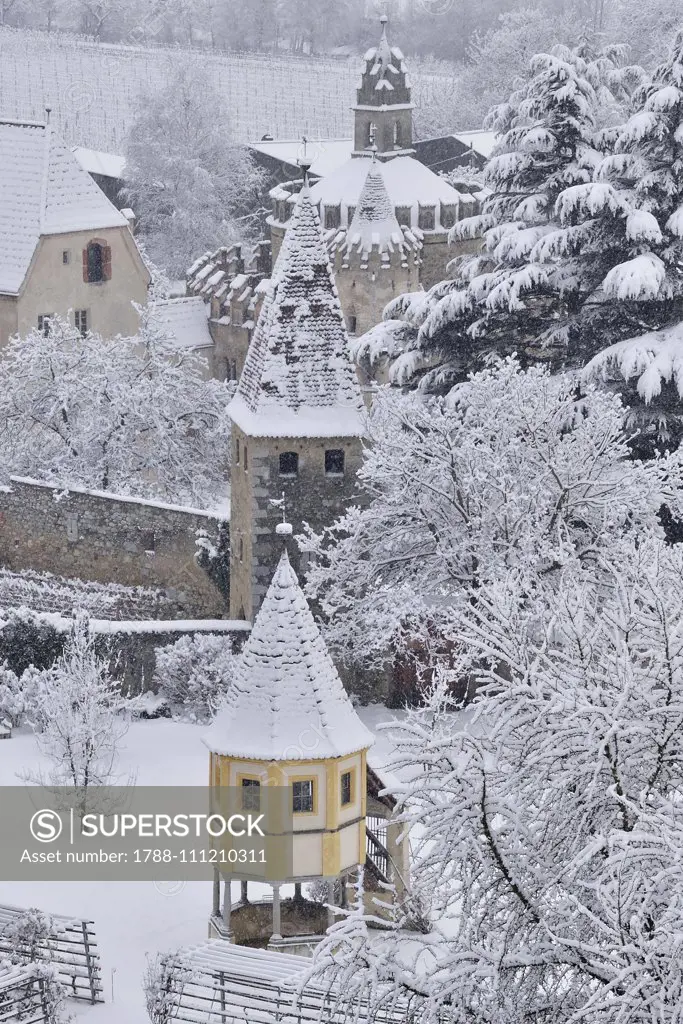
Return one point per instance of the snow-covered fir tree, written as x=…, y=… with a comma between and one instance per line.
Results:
x=582, y=238
x=517, y=293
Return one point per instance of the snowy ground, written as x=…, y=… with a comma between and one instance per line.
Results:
x=134, y=918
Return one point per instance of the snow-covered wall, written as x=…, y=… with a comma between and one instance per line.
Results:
x=113, y=539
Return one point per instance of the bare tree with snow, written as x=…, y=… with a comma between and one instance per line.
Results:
x=546, y=824
x=79, y=717
x=132, y=415
x=191, y=185
x=515, y=471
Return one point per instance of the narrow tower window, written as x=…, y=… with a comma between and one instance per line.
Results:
x=346, y=793
x=289, y=464
x=334, y=462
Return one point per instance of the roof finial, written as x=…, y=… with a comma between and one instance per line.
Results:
x=283, y=529
x=384, y=50
x=305, y=161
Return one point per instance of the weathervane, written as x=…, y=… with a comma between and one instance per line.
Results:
x=304, y=161
x=280, y=503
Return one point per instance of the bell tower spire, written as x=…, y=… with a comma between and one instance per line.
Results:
x=383, y=112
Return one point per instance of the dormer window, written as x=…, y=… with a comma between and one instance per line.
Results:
x=403, y=216
x=332, y=217
x=449, y=215
x=96, y=262
x=427, y=218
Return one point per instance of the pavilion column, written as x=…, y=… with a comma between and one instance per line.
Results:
x=216, y=907
x=277, y=924
x=244, y=892
x=227, y=904
x=330, y=902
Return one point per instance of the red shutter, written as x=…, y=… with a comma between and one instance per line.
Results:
x=85, y=264
x=106, y=263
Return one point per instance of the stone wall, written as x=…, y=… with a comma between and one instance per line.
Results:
x=90, y=535
x=34, y=638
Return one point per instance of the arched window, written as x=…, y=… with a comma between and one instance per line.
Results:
x=96, y=262
x=397, y=135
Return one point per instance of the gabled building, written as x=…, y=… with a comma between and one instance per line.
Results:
x=298, y=414
x=64, y=247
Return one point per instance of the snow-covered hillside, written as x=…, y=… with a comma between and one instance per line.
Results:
x=93, y=89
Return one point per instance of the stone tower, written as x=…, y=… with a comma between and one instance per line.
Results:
x=383, y=112
x=298, y=414
x=375, y=259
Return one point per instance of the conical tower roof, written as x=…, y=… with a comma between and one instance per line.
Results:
x=286, y=700
x=298, y=379
x=374, y=223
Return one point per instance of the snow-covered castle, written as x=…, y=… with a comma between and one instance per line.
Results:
x=385, y=215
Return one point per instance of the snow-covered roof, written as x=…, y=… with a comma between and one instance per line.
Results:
x=185, y=322
x=374, y=223
x=326, y=154
x=480, y=141
x=285, y=685
x=298, y=378
x=43, y=191
x=408, y=182
x=94, y=161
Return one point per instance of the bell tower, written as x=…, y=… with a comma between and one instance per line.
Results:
x=383, y=113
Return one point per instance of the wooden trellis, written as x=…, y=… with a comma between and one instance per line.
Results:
x=73, y=950
x=219, y=983
x=21, y=995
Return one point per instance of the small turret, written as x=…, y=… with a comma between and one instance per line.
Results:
x=375, y=258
